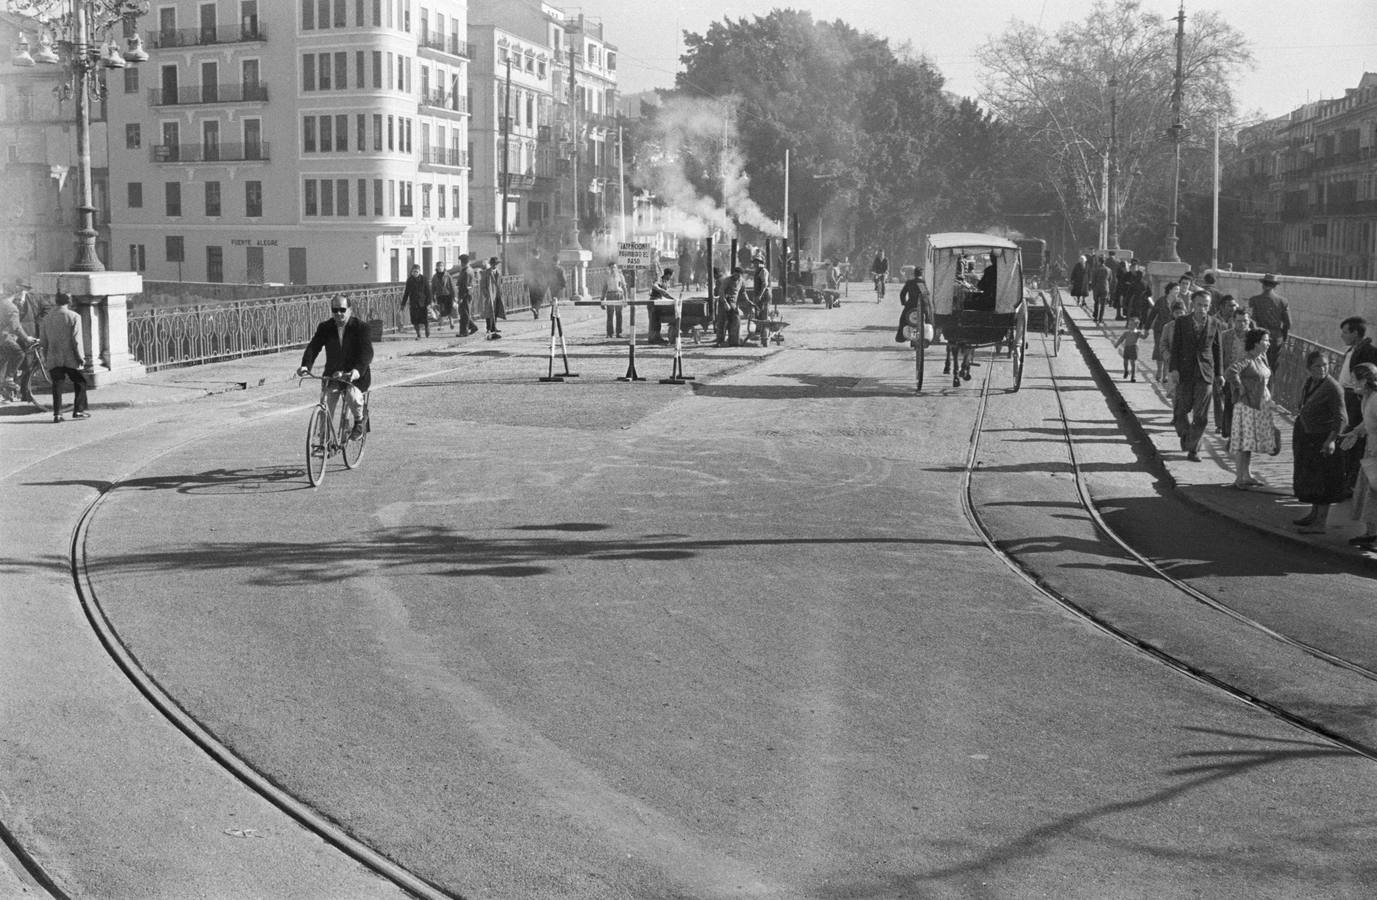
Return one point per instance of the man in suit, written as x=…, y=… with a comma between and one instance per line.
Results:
x=348, y=354
x=61, y=340
x=1195, y=372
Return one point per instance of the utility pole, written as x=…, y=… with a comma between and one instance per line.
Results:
x=1113, y=199
x=506, y=159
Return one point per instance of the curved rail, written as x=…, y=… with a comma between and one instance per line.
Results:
x=971, y=511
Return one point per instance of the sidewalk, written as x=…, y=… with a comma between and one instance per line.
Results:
x=1208, y=483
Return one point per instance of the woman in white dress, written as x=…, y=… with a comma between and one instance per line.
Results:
x=1252, y=428
x=1365, y=491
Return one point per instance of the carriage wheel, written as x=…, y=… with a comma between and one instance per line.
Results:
x=1020, y=346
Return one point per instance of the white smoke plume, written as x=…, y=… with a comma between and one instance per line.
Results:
x=702, y=130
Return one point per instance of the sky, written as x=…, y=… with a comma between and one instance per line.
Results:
x=1305, y=49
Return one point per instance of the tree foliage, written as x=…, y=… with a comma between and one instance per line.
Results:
x=877, y=150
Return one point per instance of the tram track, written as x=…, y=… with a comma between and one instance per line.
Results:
x=1027, y=571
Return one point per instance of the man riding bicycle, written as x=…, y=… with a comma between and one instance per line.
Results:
x=13, y=342
x=348, y=354
x=879, y=273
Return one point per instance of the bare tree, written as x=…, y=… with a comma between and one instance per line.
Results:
x=1060, y=91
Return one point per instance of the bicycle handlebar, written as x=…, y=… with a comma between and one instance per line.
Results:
x=335, y=378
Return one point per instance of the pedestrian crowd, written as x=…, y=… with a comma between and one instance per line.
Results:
x=1217, y=356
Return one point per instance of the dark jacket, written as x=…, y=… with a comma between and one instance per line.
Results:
x=442, y=285
x=356, y=352
x=1322, y=407
x=1195, y=353
x=1079, y=287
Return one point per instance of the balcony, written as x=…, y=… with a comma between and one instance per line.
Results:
x=543, y=134
x=209, y=93
x=450, y=44
x=437, y=100
x=198, y=153
x=205, y=37
x=519, y=182
x=444, y=156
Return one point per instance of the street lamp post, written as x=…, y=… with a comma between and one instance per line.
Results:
x=76, y=34
x=79, y=36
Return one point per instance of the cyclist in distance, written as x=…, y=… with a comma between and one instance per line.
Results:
x=348, y=354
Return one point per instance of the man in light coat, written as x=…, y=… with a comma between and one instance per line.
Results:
x=60, y=340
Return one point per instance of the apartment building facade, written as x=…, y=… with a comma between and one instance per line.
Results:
x=303, y=142
x=1305, y=188
x=544, y=143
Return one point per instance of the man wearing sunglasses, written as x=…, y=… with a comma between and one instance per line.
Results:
x=348, y=355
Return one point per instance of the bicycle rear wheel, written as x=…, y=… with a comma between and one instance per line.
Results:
x=353, y=446
x=33, y=383
x=317, y=445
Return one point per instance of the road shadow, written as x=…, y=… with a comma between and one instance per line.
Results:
x=979, y=864
x=443, y=552
x=806, y=386
x=257, y=479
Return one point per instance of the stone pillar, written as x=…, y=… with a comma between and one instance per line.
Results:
x=102, y=300
x=576, y=259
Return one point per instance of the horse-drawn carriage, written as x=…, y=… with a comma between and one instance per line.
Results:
x=975, y=289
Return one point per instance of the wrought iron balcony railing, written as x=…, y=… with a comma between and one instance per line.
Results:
x=444, y=156
x=450, y=44
x=202, y=37
x=209, y=93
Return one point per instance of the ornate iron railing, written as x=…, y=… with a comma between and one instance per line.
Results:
x=172, y=336
x=1289, y=378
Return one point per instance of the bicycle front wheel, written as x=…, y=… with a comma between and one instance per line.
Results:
x=32, y=382
x=353, y=446
x=317, y=445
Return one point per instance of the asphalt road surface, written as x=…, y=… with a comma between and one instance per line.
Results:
x=732, y=639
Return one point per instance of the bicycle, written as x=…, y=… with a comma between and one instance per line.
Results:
x=879, y=286
x=32, y=372
x=324, y=440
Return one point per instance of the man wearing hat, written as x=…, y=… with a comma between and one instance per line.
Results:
x=1269, y=311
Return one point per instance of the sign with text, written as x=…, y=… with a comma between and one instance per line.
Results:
x=635, y=256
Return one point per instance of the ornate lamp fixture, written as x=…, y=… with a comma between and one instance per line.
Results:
x=79, y=35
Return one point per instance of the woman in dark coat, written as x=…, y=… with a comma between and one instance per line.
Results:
x=1318, y=477
x=416, y=295
x=1080, y=281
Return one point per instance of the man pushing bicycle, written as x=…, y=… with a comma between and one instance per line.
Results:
x=348, y=354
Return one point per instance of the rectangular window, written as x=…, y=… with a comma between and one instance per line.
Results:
x=172, y=204
x=309, y=195
x=327, y=198
x=377, y=197
x=133, y=136
x=425, y=201
x=342, y=197
x=215, y=264
x=377, y=13
x=358, y=13
x=403, y=73
x=377, y=69
x=176, y=248
x=253, y=199
x=454, y=205
x=342, y=71
x=308, y=72
x=440, y=200
x=406, y=134
x=131, y=79
x=340, y=8
x=377, y=131
x=360, y=132
x=323, y=13
x=391, y=134
x=135, y=194
x=212, y=198
x=363, y=196
x=138, y=258
x=342, y=133
x=359, y=73
x=326, y=134
x=308, y=15
x=323, y=71
x=308, y=134
x=391, y=197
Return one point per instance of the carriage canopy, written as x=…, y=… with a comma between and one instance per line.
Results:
x=956, y=261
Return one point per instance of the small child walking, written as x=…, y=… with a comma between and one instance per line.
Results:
x=1129, y=341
